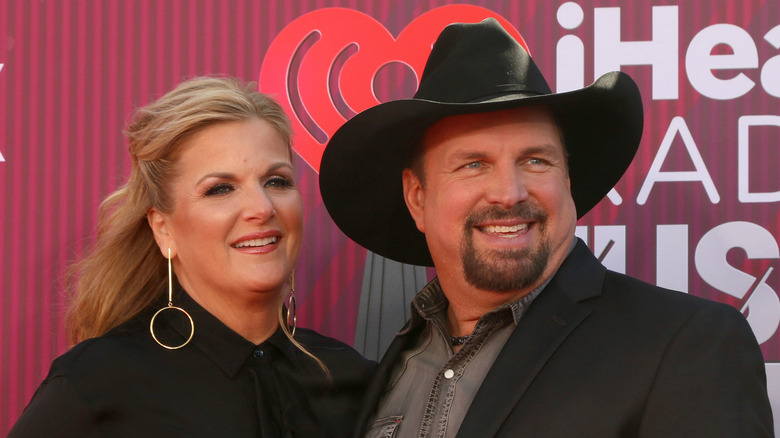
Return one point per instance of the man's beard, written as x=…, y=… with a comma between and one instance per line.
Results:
x=504, y=270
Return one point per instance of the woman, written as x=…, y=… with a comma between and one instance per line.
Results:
x=203, y=350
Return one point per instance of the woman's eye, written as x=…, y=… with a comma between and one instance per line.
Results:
x=219, y=189
x=279, y=182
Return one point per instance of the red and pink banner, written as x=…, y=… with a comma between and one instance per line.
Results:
x=698, y=211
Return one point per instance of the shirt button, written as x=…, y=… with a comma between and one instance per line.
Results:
x=258, y=353
x=449, y=374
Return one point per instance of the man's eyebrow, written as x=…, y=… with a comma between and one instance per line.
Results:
x=544, y=148
x=469, y=155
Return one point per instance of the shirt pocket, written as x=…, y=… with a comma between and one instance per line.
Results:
x=384, y=428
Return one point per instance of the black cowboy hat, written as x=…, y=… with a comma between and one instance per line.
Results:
x=472, y=68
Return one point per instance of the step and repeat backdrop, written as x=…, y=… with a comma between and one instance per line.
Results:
x=698, y=211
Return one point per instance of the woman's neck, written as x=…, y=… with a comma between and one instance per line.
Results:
x=253, y=316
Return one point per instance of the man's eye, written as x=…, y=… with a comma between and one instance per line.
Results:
x=219, y=189
x=537, y=162
x=473, y=165
x=279, y=182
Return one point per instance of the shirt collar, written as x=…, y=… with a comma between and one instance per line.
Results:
x=431, y=301
x=220, y=343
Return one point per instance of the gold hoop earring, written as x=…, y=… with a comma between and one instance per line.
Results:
x=171, y=306
x=291, y=307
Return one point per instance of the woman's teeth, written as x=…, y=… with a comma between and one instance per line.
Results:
x=256, y=242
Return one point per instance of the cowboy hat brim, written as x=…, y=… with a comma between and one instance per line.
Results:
x=360, y=173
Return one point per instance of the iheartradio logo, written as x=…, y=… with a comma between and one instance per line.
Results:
x=330, y=64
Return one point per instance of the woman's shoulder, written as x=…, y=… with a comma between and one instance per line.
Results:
x=76, y=354
x=118, y=348
x=334, y=353
x=315, y=341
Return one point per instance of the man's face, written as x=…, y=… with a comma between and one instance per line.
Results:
x=495, y=204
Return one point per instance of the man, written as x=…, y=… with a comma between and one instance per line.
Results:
x=483, y=174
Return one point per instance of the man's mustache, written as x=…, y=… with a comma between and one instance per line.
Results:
x=523, y=211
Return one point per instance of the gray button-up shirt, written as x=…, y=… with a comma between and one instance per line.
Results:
x=431, y=388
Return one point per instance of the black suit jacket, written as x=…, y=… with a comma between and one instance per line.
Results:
x=600, y=354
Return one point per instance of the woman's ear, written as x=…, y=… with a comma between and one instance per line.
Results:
x=159, y=223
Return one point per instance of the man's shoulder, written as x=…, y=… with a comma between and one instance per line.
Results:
x=642, y=298
x=640, y=289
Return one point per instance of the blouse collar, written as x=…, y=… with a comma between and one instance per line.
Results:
x=220, y=343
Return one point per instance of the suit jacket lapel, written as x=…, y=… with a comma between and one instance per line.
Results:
x=553, y=315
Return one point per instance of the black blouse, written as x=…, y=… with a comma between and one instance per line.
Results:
x=123, y=384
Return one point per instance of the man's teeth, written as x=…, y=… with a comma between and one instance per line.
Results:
x=504, y=228
x=256, y=242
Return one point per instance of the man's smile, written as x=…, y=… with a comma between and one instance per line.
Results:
x=504, y=230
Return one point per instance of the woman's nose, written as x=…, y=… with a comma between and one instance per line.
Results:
x=259, y=205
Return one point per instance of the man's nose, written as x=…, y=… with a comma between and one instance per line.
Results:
x=507, y=187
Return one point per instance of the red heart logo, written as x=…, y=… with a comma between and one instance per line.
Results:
x=322, y=67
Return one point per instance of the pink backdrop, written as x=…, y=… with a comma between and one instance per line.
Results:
x=697, y=211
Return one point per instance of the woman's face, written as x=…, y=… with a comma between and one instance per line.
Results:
x=236, y=222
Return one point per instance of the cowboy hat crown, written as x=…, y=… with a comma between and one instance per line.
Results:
x=474, y=63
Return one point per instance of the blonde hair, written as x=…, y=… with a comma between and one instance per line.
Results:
x=125, y=272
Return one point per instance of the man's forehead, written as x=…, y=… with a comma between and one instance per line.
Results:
x=460, y=129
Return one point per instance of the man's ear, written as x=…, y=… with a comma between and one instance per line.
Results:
x=414, y=195
x=158, y=222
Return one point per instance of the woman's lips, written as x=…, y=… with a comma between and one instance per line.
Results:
x=255, y=243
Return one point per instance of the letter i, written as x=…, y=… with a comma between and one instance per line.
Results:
x=570, y=51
